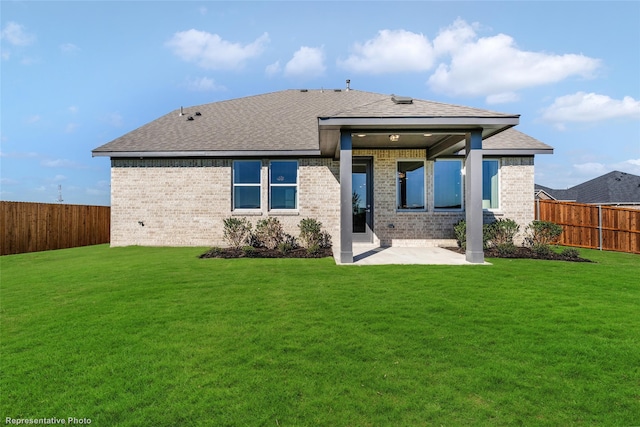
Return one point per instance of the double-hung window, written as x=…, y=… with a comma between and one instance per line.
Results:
x=410, y=187
x=447, y=184
x=283, y=184
x=246, y=184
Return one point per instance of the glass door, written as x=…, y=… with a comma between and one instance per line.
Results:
x=362, y=200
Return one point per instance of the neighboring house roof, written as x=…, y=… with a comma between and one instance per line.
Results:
x=612, y=188
x=289, y=122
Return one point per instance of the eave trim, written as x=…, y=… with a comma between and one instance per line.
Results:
x=218, y=154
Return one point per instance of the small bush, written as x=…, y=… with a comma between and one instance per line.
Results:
x=269, y=232
x=506, y=249
x=236, y=231
x=502, y=232
x=249, y=251
x=310, y=230
x=570, y=253
x=288, y=244
x=460, y=232
x=542, y=250
x=325, y=240
x=542, y=233
x=313, y=249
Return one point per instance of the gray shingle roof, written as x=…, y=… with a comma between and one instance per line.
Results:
x=613, y=187
x=283, y=121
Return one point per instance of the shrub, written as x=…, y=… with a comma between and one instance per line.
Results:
x=502, y=232
x=460, y=231
x=236, y=231
x=249, y=251
x=311, y=233
x=570, y=253
x=313, y=249
x=269, y=232
x=288, y=244
x=542, y=233
x=325, y=240
x=505, y=249
x=541, y=250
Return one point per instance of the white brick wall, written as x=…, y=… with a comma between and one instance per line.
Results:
x=182, y=202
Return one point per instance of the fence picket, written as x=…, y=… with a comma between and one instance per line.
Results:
x=609, y=228
x=32, y=227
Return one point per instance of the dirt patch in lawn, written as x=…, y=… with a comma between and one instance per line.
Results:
x=523, y=252
x=266, y=253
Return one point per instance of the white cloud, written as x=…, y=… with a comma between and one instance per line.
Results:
x=8, y=181
x=73, y=109
x=202, y=84
x=210, y=51
x=495, y=67
x=273, y=69
x=69, y=48
x=113, y=119
x=19, y=155
x=391, y=51
x=60, y=163
x=591, y=168
x=16, y=35
x=33, y=119
x=306, y=62
x=590, y=107
x=502, y=98
x=71, y=127
x=629, y=166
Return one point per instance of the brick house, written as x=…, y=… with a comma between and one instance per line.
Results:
x=376, y=168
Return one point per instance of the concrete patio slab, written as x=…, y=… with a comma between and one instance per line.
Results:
x=367, y=254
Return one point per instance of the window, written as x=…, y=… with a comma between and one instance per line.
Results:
x=447, y=184
x=410, y=186
x=490, y=189
x=283, y=184
x=246, y=184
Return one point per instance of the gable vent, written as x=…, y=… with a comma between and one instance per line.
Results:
x=401, y=99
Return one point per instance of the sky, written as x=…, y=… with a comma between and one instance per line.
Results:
x=76, y=75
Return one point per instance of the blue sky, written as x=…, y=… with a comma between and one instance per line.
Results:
x=78, y=74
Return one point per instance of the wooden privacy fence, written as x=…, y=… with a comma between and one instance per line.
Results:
x=32, y=227
x=593, y=226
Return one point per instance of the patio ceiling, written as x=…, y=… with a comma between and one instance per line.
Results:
x=439, y=136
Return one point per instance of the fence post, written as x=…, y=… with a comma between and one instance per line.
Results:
x=537, y=209
x=600, y=227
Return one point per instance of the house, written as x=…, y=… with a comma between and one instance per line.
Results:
x=377, y=168
x=614, y=188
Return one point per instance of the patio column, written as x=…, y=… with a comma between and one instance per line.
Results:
x=346, y=206
x=473, y=196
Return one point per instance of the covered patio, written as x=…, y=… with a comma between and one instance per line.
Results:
x=404, y=124
x=370, y=254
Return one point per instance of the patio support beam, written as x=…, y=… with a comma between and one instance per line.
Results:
x=473, y=196
x=346, y=206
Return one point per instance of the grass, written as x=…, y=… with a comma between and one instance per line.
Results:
x=155, y=336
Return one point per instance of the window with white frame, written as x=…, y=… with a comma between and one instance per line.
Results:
x=283, y=184
x=447, y=184
x=410, y=186
x=246, y=184
x=490, y=184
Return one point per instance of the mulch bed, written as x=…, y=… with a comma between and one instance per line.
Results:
x=523, y=252
x=228, y=253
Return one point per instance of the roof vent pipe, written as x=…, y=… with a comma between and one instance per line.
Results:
x=181, y=112
x=348, y=85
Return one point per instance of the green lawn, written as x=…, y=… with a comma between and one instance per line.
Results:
x=157, y=337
